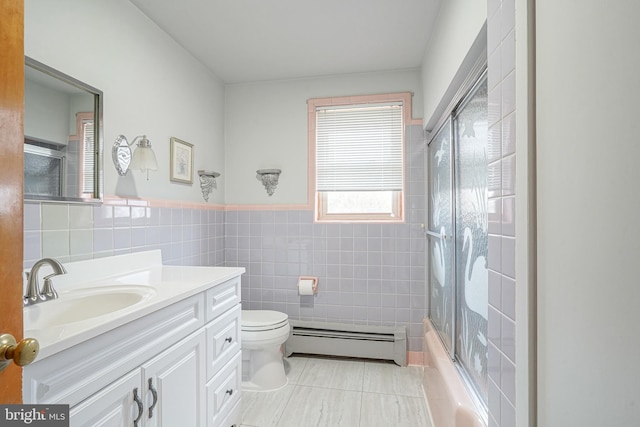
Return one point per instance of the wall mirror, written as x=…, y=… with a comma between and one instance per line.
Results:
x=62, y=137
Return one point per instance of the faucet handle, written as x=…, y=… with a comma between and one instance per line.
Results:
x=48, y=291
x=34, y=295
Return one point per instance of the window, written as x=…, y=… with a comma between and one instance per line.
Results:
x=89, y=155
x=357, y=156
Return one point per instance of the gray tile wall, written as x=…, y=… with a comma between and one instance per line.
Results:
x=501, y=157
x=370, y=274
x=71, y=232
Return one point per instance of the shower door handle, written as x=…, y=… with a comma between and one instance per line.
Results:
x=436, y=235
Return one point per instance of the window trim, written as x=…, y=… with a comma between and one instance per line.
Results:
x=314, y=196
x=395, y=216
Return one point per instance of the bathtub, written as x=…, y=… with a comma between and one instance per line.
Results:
x=449, y=401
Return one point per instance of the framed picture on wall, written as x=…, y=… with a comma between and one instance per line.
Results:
x=181, y=161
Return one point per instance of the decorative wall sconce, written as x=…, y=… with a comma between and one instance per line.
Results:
x=143, y=157
x=269, y=178
x=207, y=182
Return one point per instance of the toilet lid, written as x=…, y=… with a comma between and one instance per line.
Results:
x=259, y=320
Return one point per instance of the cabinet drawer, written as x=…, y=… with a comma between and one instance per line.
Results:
x=233, y=418
x=223, y=340
x=221, y=298
x=224, y=391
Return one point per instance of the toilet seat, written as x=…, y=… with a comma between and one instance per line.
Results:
x=263, y=320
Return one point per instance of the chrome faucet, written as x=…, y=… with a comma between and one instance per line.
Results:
x=34, y=294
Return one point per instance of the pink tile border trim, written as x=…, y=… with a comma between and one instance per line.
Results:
x=447, y=397
x=415, y=358
x=159, y=203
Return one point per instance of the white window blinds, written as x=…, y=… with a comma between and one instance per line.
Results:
x=359, y=148
x=88, y=165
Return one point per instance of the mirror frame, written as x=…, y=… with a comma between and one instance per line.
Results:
x=98, y=175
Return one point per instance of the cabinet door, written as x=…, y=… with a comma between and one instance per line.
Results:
x=114, y=406
x=174, y=385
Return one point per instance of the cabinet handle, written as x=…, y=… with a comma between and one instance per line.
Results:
x=154, y=392
x=228, y=339
x=230, y=392
x=140, y=409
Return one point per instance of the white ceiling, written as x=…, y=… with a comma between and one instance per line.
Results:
x=257, y=40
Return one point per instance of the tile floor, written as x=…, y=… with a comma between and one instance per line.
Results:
x=340, y=393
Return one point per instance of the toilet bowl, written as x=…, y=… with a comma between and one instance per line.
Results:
x=263, y=333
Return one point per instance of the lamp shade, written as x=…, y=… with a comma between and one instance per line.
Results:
x=143, y=157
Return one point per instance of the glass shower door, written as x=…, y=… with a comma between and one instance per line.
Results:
x=472, y=274
x=458, y=236
x=440, y=233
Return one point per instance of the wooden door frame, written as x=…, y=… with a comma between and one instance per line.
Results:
x=11, y=185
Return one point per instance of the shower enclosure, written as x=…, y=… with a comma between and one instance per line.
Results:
x=458, y=235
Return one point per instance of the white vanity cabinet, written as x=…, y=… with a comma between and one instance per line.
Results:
x=113, y=406
x=179, y=365
x=166, y=390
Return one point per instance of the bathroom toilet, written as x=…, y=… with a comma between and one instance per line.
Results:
x=263, y=333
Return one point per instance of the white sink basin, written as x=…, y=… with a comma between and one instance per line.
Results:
x=83, y=304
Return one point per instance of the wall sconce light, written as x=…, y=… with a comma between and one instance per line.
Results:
x=269, y=178
x=143, y=157
x=207, y=182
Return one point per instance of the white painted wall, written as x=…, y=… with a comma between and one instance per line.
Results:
x=151, y=86
x=459, y=26
x=266, y=127
x=46, y=114
x=588, y=154
x=525, y=208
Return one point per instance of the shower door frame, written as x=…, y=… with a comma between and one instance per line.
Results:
x=467, y=90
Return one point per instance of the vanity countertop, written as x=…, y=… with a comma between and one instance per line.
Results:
x=153, y=284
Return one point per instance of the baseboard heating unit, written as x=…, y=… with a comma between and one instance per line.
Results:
x=338, y=339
